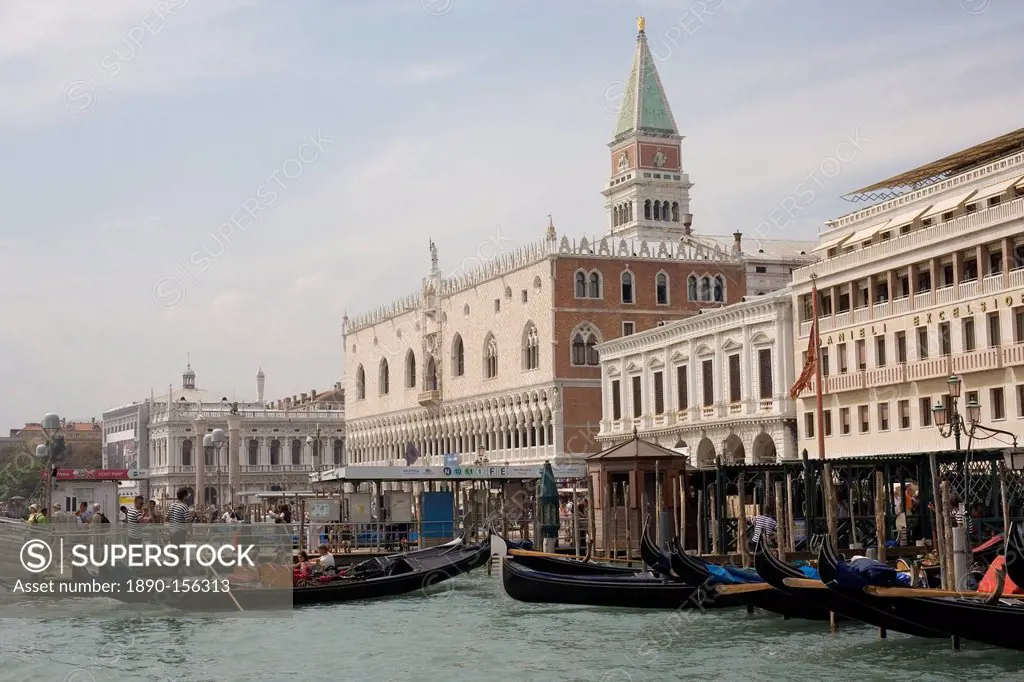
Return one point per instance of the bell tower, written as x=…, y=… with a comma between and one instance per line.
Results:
x=648, y=194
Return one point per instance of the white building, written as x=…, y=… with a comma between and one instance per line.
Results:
x=714, y=384
x=267, y=447
x=927, y=283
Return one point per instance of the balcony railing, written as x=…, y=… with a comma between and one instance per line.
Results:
x=906, y=243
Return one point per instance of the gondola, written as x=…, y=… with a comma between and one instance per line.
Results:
x=854, y=603
x=404, y=574
x=558, y=566
x=821, y=602
x=528, y=585
x=989, y=621
x=657, y=560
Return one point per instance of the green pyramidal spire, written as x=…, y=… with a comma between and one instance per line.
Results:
x=644, y=104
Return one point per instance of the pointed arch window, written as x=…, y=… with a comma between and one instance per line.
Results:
x=296, y=452
x=410, y=369
x=581, y=284
x=661, y=288
x=691, y=287
x=186, y=452
x=627, y=287
x=384, y=380
x=360, y=383
x=594, y=285
x=490, y=357
x=584, y=346
x=458, y=356
x=254, y=452
x=719, y=289
x=531, y=347
x=430, y=378
x=705, y=288
x=275, y=452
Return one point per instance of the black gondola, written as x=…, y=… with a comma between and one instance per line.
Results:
x=999, y=624
x=656, y=559
x=820, y=602
x=527, y=585
x=404, y=574
x=859, y=606
x=558, y=566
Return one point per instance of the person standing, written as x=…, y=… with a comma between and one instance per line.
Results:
x=762, y=525
x=133, y=517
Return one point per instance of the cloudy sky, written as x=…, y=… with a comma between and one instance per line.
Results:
x=225, y=178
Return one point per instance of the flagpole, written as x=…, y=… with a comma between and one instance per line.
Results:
x=819, y=408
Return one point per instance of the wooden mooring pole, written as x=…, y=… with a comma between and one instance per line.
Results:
x=880, y=514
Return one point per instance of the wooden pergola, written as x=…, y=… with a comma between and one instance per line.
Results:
x=632, y=480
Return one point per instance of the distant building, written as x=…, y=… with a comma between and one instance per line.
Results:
x=268, y=448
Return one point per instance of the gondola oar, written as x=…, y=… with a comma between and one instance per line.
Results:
x=805, y=583
x=923, y=592
x=743, y=589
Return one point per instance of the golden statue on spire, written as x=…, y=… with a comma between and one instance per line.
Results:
x=641, y=23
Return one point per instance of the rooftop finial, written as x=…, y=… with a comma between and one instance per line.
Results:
x=551, y=227
x=641, y=24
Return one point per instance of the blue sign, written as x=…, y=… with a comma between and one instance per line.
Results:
x=451, y=461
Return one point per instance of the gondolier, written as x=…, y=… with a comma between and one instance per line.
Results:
x=762, y=525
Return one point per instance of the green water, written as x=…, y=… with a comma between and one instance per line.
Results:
x=473, y=631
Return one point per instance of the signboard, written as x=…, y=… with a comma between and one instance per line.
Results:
x=451, y=460
x=323, y=511
x=359, y=508
x=99, y=474
x=469, y=472
x=399, y=506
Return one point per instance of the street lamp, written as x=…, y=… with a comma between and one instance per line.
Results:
x=956, y=422
x=51, y=426
x=213, y=442
x=314, y=443
x=952, y=417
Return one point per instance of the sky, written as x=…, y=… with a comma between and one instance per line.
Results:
x=221, y=181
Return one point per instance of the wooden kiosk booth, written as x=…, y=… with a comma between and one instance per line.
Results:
x=630, y=481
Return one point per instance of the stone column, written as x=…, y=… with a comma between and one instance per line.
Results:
x=234, y=442
x=199, y=455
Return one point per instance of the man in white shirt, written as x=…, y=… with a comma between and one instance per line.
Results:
x=326, y=559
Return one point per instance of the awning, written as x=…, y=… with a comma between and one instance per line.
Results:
x=866, y=233
x=997, y=188
x=949, y=204
x=908, y=217
x=832, y=243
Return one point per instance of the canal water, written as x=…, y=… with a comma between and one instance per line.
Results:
x=471, y=631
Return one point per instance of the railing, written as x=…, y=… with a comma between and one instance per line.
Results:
x=929, y=369
x=906, y=243
x=993, y=283
x=990, y=358
x=766, y=405
x=945, y=294
x=244, y=468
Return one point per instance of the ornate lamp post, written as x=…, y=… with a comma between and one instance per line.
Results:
x=214, y=442
x=51, y=426
x=953, y=423
x=314, y=443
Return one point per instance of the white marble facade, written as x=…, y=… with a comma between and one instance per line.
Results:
x=716, y=384
x=914, y=289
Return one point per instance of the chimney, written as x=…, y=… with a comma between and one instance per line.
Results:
x=304, y=396
x=687, y=222
x=337, y=385
x=312, y=394
x=737, y=246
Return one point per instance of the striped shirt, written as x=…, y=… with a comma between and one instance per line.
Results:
x=762, y=524
x=132, y=517
x=177, y=516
